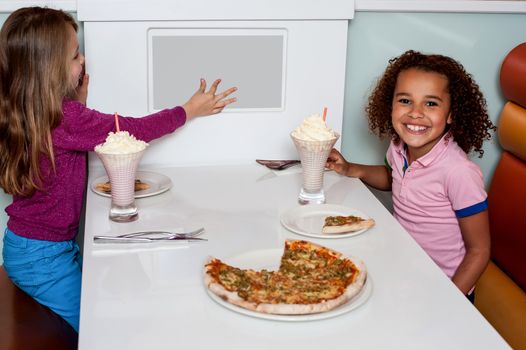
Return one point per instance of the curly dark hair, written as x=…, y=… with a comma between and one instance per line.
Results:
x=471, y=124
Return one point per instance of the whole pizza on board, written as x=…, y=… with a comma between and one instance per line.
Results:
x=310, y=279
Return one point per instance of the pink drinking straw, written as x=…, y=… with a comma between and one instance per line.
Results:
x=117, y=122
x=325, y=114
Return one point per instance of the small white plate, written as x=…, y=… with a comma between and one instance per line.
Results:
x=159, y=183
x=269, y=259
x=308, y=220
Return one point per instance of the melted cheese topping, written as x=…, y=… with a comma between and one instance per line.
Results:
x=341, y=220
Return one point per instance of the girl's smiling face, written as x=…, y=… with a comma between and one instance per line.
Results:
x=75, y=58
x=421, y=110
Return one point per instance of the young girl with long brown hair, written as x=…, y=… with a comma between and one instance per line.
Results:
x=45, y=133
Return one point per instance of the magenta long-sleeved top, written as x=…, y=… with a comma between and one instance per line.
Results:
x=53, y=213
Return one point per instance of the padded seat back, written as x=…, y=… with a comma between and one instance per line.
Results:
x=507, y=196
x=512, y=74
x=501, y=290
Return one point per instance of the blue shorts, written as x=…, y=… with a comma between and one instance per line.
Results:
x=50, y=272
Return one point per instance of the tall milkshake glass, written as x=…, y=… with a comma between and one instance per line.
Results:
x=313, y=156
x=121, y=170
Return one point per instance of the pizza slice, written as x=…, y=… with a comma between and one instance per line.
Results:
x=310, y=279
x=344, y=224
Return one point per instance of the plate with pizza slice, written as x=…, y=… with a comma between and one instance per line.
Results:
x=147, y=184
x=302, y=282
x=326, y=221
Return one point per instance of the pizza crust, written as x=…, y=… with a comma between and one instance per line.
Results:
x=226, y=295
x=290, y=309
x=365, y=224
x=304, y=309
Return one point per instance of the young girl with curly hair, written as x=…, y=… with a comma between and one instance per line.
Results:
x=434, y=114
x=46, y=132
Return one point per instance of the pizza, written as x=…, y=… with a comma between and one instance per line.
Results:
x=343, y=224
x=310, y=279
x=106, y=186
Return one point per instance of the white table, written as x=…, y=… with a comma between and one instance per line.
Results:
x=153, y=297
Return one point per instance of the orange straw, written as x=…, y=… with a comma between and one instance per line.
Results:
x=117, y=122
x=325, y=114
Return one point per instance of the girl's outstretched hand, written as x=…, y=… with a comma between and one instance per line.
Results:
x=336, y=162
x=208, y=102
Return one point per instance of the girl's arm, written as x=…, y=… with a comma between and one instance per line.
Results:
x=377, y=176
x=83, y=128
x=475, y=232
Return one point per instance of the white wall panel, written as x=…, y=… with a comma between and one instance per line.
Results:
x=314, y=78
x=184, y=10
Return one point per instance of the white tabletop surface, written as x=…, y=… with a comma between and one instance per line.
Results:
x=151, y=296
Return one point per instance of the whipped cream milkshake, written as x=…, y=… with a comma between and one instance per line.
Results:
x=313, y=128
x=314, y=141
x=120, y=155
x=120, y=142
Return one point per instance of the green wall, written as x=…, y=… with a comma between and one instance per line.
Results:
x=478, y=41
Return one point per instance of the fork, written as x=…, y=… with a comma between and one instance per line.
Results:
x=167, y=233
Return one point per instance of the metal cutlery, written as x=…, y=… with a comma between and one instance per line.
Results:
x=278, y=164
x=151, y=236
x=166, y=233
x=115, y=239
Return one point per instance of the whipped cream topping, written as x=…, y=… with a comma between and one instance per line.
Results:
x=121, y=142
x=313, y=128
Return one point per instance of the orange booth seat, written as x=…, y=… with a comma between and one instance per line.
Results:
x=501, y=291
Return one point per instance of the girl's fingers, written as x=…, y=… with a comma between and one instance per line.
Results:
x=220, y=105
x=225, y=93
x=202, y=86
x=223, y=103
x=214, y=86
x=229, y=101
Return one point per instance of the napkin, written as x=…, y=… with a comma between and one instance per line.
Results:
x=131, y=248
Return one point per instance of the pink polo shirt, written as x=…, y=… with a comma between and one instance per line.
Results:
x=432, y=193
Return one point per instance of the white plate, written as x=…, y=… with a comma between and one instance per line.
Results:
x=269, y=259
x=159, y=183
x=308, y=220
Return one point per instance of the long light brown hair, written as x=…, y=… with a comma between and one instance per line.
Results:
x=34, y=79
